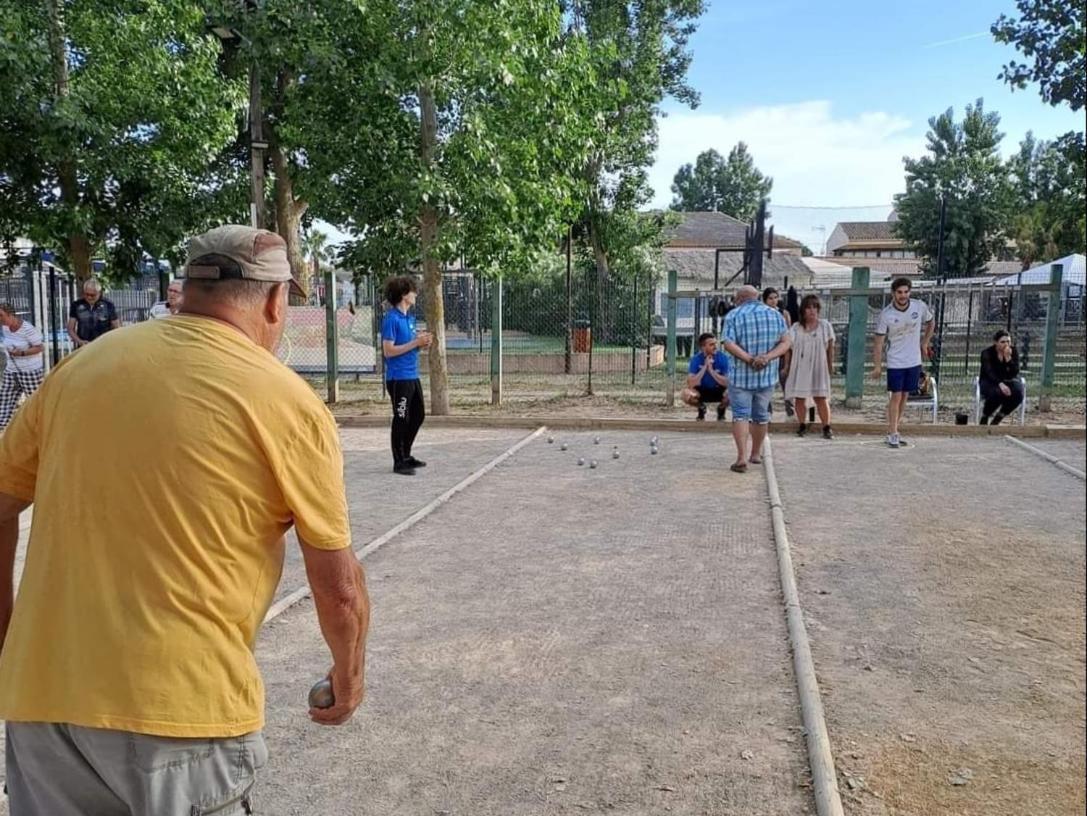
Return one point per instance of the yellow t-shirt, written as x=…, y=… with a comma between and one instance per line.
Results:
x=165, y=461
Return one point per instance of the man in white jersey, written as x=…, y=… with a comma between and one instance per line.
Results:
x=24, y=348
x=901, y=326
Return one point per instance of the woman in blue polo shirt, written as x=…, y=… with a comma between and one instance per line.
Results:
x=400, y=345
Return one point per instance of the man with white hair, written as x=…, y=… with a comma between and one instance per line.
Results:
x=128, y=681
x=92, y=315
x=172, y=304
x=756, y=336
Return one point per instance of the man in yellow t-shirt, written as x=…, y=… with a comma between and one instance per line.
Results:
x=130, y=649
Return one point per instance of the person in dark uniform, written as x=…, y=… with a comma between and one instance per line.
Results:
x=400, y=345
x=999, y=379
x=92, y=315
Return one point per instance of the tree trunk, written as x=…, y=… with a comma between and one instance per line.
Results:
x=432, y=272
x=79, y=246
x=289, y=212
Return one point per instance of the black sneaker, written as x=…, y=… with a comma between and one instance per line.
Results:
x=983, y=421
x=404, y=469
x=827, y=432
x=415, y=463
x=701, y=412
x=802, y=429
x=720, y=413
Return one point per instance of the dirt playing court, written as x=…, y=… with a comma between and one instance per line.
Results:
x=557, y=639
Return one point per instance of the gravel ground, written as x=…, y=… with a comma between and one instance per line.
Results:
x=450, y=456
x=944, y=589
x=1071, y=451
x=560, y=640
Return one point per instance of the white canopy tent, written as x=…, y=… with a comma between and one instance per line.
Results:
x=1072, y=273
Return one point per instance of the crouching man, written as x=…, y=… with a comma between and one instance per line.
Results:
x=707, y=378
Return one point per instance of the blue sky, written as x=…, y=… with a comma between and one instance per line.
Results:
x=830, y=96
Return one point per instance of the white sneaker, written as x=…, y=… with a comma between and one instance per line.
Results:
x=892, y=440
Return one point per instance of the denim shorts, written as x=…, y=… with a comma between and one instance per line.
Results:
x=751, y=406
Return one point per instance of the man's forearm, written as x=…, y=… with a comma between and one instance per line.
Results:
x=344, y=617
x=877, y=352
x=737, y=352
x=779, y=350
x=9, y=540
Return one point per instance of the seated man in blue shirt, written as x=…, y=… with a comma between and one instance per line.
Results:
x=707, y=378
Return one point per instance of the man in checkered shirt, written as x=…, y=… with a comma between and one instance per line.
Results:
x=24, y=348
x=756, y=336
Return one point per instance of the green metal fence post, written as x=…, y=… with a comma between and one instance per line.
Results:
x=670, y=369
x=858, y=334
x=332, y=340
x=496, y=342
x=1052, y=326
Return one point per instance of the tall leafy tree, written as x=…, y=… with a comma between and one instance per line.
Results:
x=1052, y=36
x=733, y=186
x=638, y=56
x=964, y=165
x=1050, y=212
x=114, y=115
x=1049, y=176
x=448, y=129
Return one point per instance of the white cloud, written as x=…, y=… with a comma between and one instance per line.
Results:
x=813, y=157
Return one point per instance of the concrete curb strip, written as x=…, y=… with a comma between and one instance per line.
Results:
x=1079, y=474
x=828, y=801
x=285, y=603
x=690, y=426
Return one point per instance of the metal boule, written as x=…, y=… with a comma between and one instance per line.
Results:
x=321, y=696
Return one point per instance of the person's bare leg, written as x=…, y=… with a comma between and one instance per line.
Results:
x=739, y=436
x=892, y=414
x=758, y=436
x=822, y=405
x=798, y=407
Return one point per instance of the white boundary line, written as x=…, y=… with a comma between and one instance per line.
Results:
x=1079, y=474
x=828, y=801
x=285, y=603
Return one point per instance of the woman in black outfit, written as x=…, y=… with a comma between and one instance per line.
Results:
x=999, y=379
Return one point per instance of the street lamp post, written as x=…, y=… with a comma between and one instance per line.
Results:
x=257, y=146
x=230, y=38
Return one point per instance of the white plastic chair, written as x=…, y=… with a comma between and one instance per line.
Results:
x=929, y=400
x=979, y=402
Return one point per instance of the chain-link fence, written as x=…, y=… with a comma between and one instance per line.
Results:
x=560, y=336
x=575, y=335
x=967, y=316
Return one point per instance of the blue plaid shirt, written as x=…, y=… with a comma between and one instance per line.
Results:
x=756, y=328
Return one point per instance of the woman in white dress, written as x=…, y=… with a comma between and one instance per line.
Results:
x=810, y=361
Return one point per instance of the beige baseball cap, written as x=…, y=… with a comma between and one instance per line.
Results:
x=261, y=255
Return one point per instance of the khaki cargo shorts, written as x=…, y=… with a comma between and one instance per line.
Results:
x=55, y=769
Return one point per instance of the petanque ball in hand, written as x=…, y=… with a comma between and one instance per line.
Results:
x=320, y=696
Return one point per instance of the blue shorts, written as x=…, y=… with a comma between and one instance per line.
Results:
x=903, y=380
x=750, y=406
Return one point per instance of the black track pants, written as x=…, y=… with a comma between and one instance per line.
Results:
x=408, y=415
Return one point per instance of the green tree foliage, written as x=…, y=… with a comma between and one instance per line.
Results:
x=963, y=163
x=114, y=123
x=434, y=131
x=1051, y=35
x=1050, y=218
x=638, y=57
x=733, y=186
